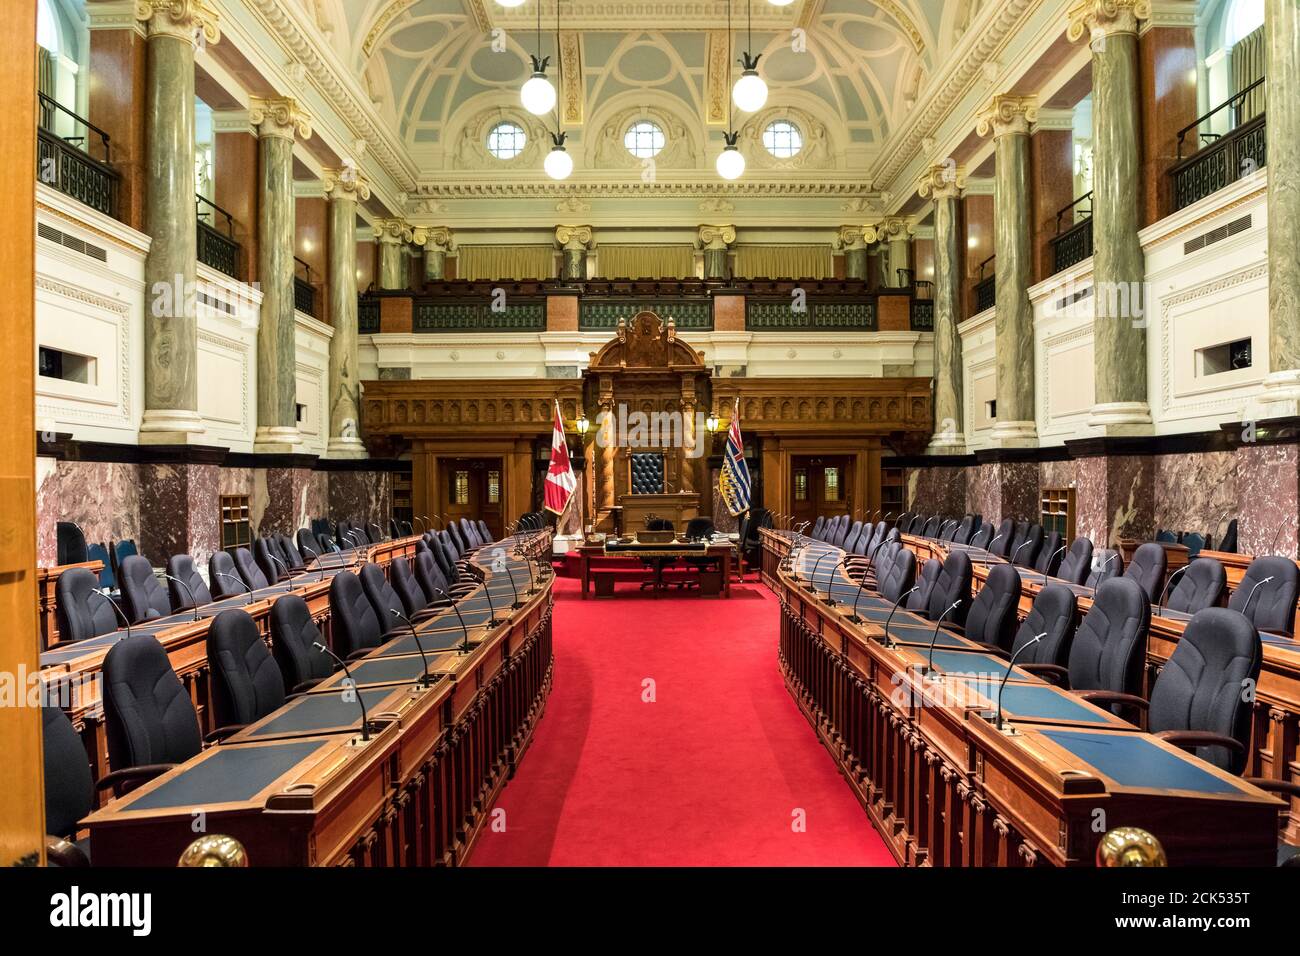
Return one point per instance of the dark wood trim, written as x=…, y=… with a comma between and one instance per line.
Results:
x=63, y=447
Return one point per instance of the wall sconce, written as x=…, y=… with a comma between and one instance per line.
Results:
x=712, y=423
x=582, y=425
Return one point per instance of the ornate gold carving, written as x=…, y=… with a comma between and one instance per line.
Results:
x=717, y=237
x=393, y=230
x=893, y=227
x=435, y=238
x=346, y=183
x=942, y=181
x=571, y=70
x=718, y=86
x=183, y=19
x=1007, y=114
x=282, y=117
x=387, y=16
x=574, y=237
x=1103, y=18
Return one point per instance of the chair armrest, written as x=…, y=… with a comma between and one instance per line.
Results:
x=1274, y=786
x=305, y=686
x=1188, y=739
x=64, y=853
x=1113, y=697
x=221, y=733
x=1054, y=672
x=140, y=774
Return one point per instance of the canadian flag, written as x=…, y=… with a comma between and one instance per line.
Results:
x=560, y=479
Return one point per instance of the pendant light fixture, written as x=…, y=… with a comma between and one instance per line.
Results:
x=519, y=3
x=558, y=163
x=750, y=92
x=537, y=95
x=730, y=163
x=775, y=3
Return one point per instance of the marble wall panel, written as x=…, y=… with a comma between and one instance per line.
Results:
x=360, y=496
x=101, y=497
x=1268, y=496
x=936, y=491
x=1001, y=490
x=180, y=511
x=1196, y=492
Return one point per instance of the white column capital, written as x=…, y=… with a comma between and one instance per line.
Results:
x=574, y=237
x=283, y=117
x=346, y=183
x=192, y=20
x=942, y=181
x=1099, y=19
x=1007, y=114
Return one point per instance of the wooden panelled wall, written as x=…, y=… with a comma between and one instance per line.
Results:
x=22, y=813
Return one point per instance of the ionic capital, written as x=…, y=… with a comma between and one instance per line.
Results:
x=433, y=238
x=1099, y=19
x=574, y=237
x=717, y=237
x=393, y=231
x=1007, y=114
x=346, y=183
x=183, y=19
x=282, y=117
x=942, y=181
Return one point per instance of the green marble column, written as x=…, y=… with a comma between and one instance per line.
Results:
x=171, y=341
x=437, y=243
x=716, y=240
x=943, y=183
x=1282, y=387
x=1119, y=265
x=393, y=235
x=1008, y=118
x=855, y=251
x=277, y=121
x=895, y=234
x=574, y=242
x=344, y=189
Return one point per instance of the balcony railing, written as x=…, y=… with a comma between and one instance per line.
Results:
x=1073, y=243
x=216, y=237
x=1220, y=158
x=304, y=291
x=73, y=156
x=923, y=315
x=367, y=314
x=986, y=289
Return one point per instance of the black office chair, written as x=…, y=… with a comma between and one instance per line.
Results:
x=291, y=556
x=148, y=714
x=1109, y=650
x=1148, y=569
x=248, y=570
x=1229, y=542
x=373, y=532
x=952, y=585
x=1053, y=614
x=98, y=552
x=246, y=681
x=1194, y=542
x=384, y=600
x=1026, y=543
x=433, y=583
x=78, y=612
x=851, y=538
x=143, y=596
x=1269, y=604
x=406, y=587
x=268, y=560
x=469, y=531
x=1107, y=563
x=931, y=527
x=1166, y=536
x=355, y=625
x=70, y=543
x=898, y=576
x=992, y=617
x=1200, y=584
x=965, y=528
x=308, y=545
x=69, y=790
x=485, y=533
x=817, y=528
x=457, y=538
x=1077, y=563
x=1049, y=555
x=919, y=600
x=195, y=593
x=293, y=638
x=982, y=537
x=223, y=577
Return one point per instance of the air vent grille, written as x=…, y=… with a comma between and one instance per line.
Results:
x=1226, y=231
x=71, y=242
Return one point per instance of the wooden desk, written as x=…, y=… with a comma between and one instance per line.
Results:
x=944, y=786
x=302, y=788
x=47, y=580
x=676, y=551
x=1275, y=720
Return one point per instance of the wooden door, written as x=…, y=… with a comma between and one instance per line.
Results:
x=821, y=485
x=472, y=488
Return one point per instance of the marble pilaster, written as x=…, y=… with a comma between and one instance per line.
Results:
x=943, y=184
x=345, y=189
x=180, y=511
x=852, y=240
x=1282, y=387
x=171, y=343
x=895, y=236
x=574, y=241
x=1119, y=265
x=1008, y=118
x=392, y=236
x=277, y=122
x=716, y=240
x=437, y=243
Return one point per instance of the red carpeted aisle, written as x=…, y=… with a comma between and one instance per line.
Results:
x=717, y=771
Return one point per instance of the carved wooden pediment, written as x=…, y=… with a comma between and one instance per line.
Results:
x=647, y=343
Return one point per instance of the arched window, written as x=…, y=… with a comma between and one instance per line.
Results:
x=644, y=139
x=506, y=140
x=1244, y=18
x=47, y=28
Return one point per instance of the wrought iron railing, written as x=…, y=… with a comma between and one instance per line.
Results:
x=828, y=315
x=1073, y=242
x=1220, y=159
x=304, y=291
x=216, y=237
x=986, y=289
x=692, y=314
x=73, y=156
x=479, y=315
x=367, y=314
x=922, y=315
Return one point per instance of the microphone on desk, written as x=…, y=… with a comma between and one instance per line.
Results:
x=418, y=522
x=1051, y=558
x=1165, y=590
x=511, y=578
x=1257, y=586
x=1010, y=664
x=943, y=527
x=1104, y=565
x=365, y=718
x=240, y=582
x=464, y=649
x=897, y=604
x=288, y=576
x=862, y=583
x=989, y=547
x=426, y=680
x=812, y=579
x=934, y=638
x=188, y=590
x=830, y=584
x=116, y=607
x=320, y=563
x=532, y=580
x=1018, y=550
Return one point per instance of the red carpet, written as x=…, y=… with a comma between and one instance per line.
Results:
x=715, y=772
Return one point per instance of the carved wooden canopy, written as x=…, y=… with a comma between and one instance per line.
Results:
x=649, y=344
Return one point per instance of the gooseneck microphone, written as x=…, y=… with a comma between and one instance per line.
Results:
x=188, y=590
x=532, y=579
x=812, y=579
x=1051, y=557
x=240, y=582
x=116, y=607
x=492, y=611
x=426, y=680
x=464, y=648
x=1022, y=547
x=1010, y=664
x=287, y=575
x=862, y=583
x=1165, y=590
x=897, y=604
x=511, y=578
x=989, y=547
x=830, y=584
x=1105, y=564
x=934, y=637
x=418, y=521
x=365, y=718
x=320, y=562
x=1258, y=585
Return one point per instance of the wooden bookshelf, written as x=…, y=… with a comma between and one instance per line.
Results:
x=236, y=521
x=1056, y=507
x=893, y=490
